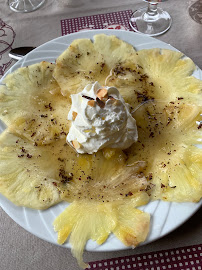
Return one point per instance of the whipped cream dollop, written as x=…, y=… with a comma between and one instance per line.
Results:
x=100, y=118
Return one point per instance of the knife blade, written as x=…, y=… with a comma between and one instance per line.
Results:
x=18, y=53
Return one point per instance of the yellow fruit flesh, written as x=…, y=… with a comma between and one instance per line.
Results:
x=96, y=178
x=85, y=62
x=94, y=220
x=30, y=109
x=167, y=134
x=171, y=73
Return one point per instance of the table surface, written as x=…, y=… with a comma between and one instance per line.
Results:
x=22, y=250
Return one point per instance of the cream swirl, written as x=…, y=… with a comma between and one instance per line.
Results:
x=100, y=118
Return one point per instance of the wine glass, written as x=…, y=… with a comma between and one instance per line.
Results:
x=151, y=20
x=25, y=5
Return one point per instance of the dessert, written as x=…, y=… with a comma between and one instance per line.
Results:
x=39, y=169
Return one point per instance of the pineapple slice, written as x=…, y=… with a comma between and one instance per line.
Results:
x=170, y=73
x=103, y=192
x=99, y=179
x=85, y=62
x=83, y=221
x=160, y=74
x=28, y=173
x=32, y=106
x=93, y=220
x=167, y=134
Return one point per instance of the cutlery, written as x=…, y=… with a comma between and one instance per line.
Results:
x=19, y=52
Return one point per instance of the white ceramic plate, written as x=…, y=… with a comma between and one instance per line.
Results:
x=165, y=216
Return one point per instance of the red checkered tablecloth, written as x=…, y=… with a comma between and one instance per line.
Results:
x=184, y=258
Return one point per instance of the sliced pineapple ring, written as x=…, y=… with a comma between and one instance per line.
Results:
x=96, y=178
x=167, y=134
x=170, y=73
x=28, y=172
x=32, y=106
x=85, y=62
x=160, y=74
x=92, y=220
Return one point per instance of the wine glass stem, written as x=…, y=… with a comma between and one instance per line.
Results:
x=152, y=9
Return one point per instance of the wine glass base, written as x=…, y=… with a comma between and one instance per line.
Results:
x=25, y=5
x=150, y=25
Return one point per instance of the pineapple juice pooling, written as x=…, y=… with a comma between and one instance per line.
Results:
x=100, y=118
